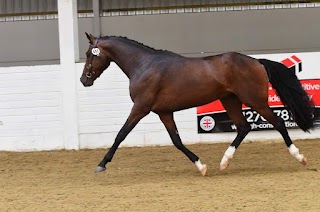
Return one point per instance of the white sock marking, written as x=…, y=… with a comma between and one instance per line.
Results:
x=228, y=155
x=199, y=164
x=294, y=151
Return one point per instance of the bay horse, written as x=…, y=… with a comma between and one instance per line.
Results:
x=164, y=82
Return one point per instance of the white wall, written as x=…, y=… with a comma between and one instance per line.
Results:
x=30, y=108
x=31, y=111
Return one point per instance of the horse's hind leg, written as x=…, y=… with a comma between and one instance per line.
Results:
x=279, y=125
x=167, y=120
x=233, y=106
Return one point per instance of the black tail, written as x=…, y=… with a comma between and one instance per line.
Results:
x=291, y=93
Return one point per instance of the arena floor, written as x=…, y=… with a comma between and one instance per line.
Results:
x=261, y=177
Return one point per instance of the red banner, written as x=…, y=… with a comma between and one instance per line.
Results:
x=312, y=87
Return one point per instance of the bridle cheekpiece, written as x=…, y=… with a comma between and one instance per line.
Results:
x=95, y=52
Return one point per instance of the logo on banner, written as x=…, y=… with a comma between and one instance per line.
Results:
x=293, y=63
x=207, y=123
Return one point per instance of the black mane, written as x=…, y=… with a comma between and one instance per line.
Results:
x=137, y=44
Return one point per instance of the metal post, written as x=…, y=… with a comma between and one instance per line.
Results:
x=96, y=18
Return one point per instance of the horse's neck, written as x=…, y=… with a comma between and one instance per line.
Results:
x=128, y=57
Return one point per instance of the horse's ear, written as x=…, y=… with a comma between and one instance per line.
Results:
x=90, y=38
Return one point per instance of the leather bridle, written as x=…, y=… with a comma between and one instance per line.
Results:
x=94, y=52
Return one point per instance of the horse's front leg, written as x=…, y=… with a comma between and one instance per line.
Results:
x=167, y=120
x=136, y=114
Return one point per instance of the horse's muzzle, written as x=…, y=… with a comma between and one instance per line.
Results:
x=86, y=81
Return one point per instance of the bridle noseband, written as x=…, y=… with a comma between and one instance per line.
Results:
x=94, y=52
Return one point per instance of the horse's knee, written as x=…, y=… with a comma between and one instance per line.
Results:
x=120, y=137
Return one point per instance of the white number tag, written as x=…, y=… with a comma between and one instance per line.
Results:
x=95, y=51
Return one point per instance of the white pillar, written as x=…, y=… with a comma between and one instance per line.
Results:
x=69, y=54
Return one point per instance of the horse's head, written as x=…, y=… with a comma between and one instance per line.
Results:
x=97, y=61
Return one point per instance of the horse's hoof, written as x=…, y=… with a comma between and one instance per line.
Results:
x=223, y=166
x=100, y=169
x=203, y=170
x=303, y=160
